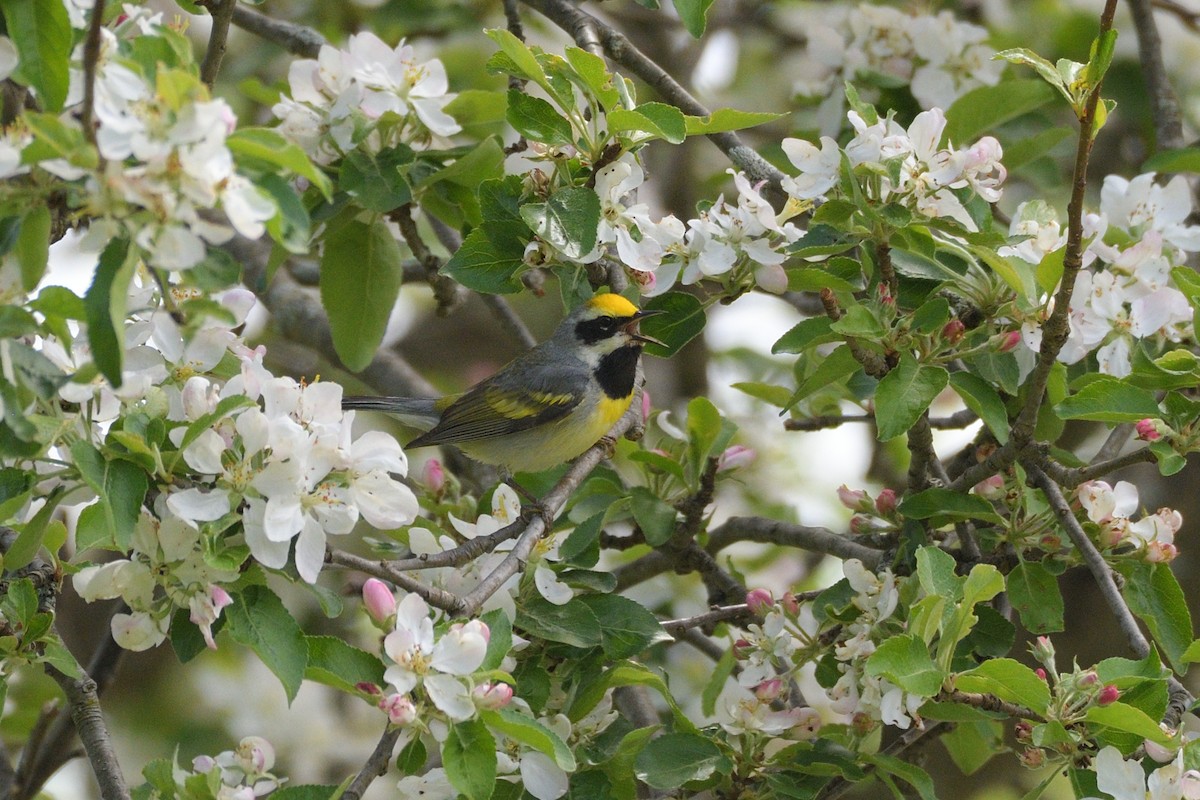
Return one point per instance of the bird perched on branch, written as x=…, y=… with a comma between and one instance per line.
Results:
x=546, y=406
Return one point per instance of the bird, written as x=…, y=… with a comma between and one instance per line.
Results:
x=548, y=405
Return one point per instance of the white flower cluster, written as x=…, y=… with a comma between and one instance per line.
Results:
x=369, y=95
x=939, y=57
x=1111, y=508
x=931, y=178
x=726, y=239
x=245, y=771
x=1119, y=777
x=1131, y=296
x=166, y=172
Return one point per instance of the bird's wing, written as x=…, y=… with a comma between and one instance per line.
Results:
x=501, y=405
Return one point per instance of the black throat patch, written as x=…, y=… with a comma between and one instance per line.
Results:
x=618, y=370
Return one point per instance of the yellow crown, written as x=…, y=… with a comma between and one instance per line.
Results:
x=614, y=304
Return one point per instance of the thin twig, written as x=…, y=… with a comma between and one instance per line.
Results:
x=988, y=702
x=771, y=531
x=1114, y=443
x=956, y=421
x=513, y=325
x=84, y=702
x=586, y=29
x=222, y=14
x=448, y=293
x=91, y=58
x=375, y=765
x=297, y=39
x=438, y=598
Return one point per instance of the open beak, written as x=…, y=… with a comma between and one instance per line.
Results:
x=631, y=327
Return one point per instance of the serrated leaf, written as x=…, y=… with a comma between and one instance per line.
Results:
x=573, y=623
x=905, y=661
x=568, y=220
x=654, y=516
x=945, y=505
x=987, y=107
x=626, y=627
x=535, y=119
x=33, y=246
x=728, y=119
x=904, y=394
x=272, y=147
x=1155, y=596
x=360, y=281
x=1034, y=593
x=104, y=306
x=335, y=663
x=984, y=400
x=674, y=759
x=694, y=15
x=531, y=733
x=42, y=34
x=1009, y=680
x=258, y=620
x=469, y=757
x=682, y=319
x=1108, y=399
x=660, y=120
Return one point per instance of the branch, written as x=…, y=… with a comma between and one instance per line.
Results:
x=956, y=421
x=297, y=39
x=988, y=702
x=448, y=293
x=91, y=57
x=770, y=531
x=438, y=598
x=586, y=30
x=375, y=765
x=508, y=319
x=222, y=14
x=84, y=701
x=1164, y=105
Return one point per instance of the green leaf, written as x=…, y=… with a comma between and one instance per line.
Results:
x=568, y=220
x=258, y=620
x=718, y=679
x=682, y=319
x=728, y=119
x=943, y=506
x=1026, y=57
x=1021, y=152
x=905, y=661
x=909, y=773
x=469, y=756
x=535, y=119
x=833, y=369
x=531, y=733
x=984, y=400
x=33, y=246
x=1155, y=596
x=973, y=743
x=694, y=15
x=55, y=139
x=653, y=515
x=335, y=663
x=1009, y=680
x=104, y=306
x=360, y=281
x=480, y=265
x=987, y=107
x=1108, y=399
x=626, y=627
x=521, y=56
x=120, y=488
x=904, y=394
x=42, y=34
x=29, y=539
x=703, y=428
x=573, y=623
x=1034, y=593
x=375, y=180
x=658, y=119
x=1124, y=717
x=499, y=640
x=674, y=759
x=1185, y=159
x=626, y=673
x=594, y=73
x=269, y=146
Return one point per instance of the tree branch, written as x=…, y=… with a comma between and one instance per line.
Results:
x=1164, y=105
x=956, y=421
x=296, y=39
x=84, y=702
x=770, y=531
x=586, y=30
x=221, y=12
x=91, y=57
x=375, y=765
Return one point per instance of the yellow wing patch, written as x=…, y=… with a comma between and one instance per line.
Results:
x=520, y=405
x=613, y=304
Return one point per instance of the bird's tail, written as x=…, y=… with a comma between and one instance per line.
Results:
x=417, y=412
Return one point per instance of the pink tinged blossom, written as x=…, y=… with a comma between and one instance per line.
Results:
x=1161, y=753
x=206, y=608
x=769, y=690
x=759, y=600
x=1147, y=430
x=434, y=476
x=1008, y=341
x=771, y=278
x=991, y=488
x=886, y=502
x=399, y=709
x=952, y=331
x=646, y=406
x=138, y=631
x=491, y=696
x=203, y=764
x=378, y=600
x=736, y=457
x=1108, y=695
x=853, y=499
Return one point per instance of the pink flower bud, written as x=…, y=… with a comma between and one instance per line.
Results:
x=771, y=278
x=736, y=457
x=203, y=764
x=1008, y=341
x=741, y=649
x=952, y=331
x=399, y=708
x=1041, y=673
x=852, y=499
x=991, y=488
x=1147, y=430
x=255, y=755
x=1161, y=753
x=1086, y=679
x=759, y=600
x=1160, y=552
x=886, y=502
x=769, y=690
x=859, y=525
x=369, y=689
x=1108, y=695
x=492, y=695
x=790, y=604
x=646, y=406
x=434, y=476
x=378, y=600
x=646, y=281
x=1023, y=731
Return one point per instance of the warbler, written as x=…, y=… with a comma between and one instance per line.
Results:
x=546, y=406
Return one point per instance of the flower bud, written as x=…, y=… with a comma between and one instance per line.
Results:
x=771, y=278
x=1160, y=552
x=368, y=688
x=1023, y=731
x=862, y=723
x=646, y=406
x=742, y=649
x=736, y=457
x=1032, y=757
x=1007, y=341
x=859, y=525
x=434, y=476
x=952, y=331
x=852, y=499
x=378, y=600
x=399, y=708
x=1043, y=651
x=769, y=690
x=1041, y=673
x=886, y=502
x=255, y=755
x=790, y=604
x=1147, y=430
x=760, y=600
x=646, y=281
x=1108, y=695
x=991, y=488
x=1086, y=679
x=1161, y=753
x=491, y=696
x=203, y=764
